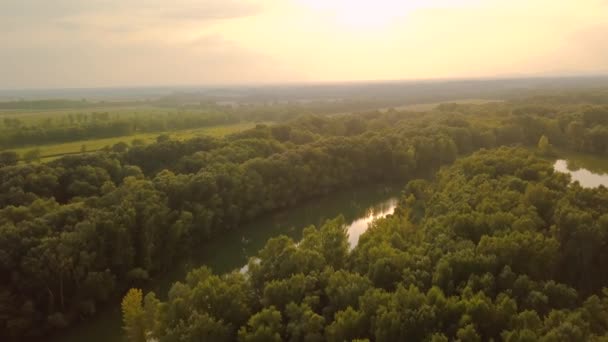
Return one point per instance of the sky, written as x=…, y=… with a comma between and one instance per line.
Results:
x=101, y=43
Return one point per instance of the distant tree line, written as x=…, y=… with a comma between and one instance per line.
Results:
x=77, y=127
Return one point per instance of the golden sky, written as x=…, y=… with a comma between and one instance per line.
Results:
x=72, y=43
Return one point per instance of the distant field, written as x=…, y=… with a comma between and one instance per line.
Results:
x=423, y=107
x=53, y=151
x=32, y=116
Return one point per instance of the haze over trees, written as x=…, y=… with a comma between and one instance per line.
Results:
x=497, y=246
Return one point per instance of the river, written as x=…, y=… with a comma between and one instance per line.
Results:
x=232, y=249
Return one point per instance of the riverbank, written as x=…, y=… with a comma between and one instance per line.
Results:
x=590, y=171
x=232, y=249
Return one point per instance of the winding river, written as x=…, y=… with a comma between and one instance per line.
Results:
x=359, y=206
x=231, y=250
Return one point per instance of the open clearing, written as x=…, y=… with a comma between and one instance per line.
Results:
x=53, y=151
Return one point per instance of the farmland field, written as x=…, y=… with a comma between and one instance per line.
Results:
x=53, y=151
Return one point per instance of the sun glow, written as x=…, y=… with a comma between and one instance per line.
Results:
x=362, y=14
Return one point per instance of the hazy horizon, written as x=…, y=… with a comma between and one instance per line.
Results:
x=295, y=83
x=149, y=43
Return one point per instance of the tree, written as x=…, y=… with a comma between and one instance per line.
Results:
x=120, y=147
x=344, y=289
x=202, y=327
x=8, y=158
x=137, y=142
x=263, y=326
x=348, y=325
x=163, y=138
x=544, y=146
x=576, y=133
x=32, y=155
x=133, y=316
x=304, y=324
x=330, y=240
x=596, y=116
x=468, y=334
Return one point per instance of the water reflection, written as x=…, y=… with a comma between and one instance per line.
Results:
x=586, y=178
x=232, y=249
x=358, y=206
x=359, y=226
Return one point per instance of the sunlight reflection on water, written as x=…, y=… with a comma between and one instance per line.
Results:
x=359, y=226
x=586, y=178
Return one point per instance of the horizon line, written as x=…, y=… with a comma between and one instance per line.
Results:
x=316, y=83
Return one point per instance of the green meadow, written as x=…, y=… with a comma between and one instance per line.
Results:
x=53, y=151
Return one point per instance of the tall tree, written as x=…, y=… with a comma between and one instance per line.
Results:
x=133, y=316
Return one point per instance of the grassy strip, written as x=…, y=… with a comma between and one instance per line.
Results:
x=53, y=151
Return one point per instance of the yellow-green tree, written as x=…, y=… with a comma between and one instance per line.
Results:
x=133, y=316
x=543, y=145
x=32, y=156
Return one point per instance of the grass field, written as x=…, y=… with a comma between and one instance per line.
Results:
x=423, y=107
x=39, y=115
x=53, y=151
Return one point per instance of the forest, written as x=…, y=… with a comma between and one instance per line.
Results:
x=488, y=242
x=516, y=254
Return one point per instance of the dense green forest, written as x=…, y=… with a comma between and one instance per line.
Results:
x=498, y=247
x=492, y=248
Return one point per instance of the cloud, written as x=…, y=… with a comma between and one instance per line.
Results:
x=105, y=42
x=212, y=10
x=55, y=43
x=23, y=14
x=205, y=60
